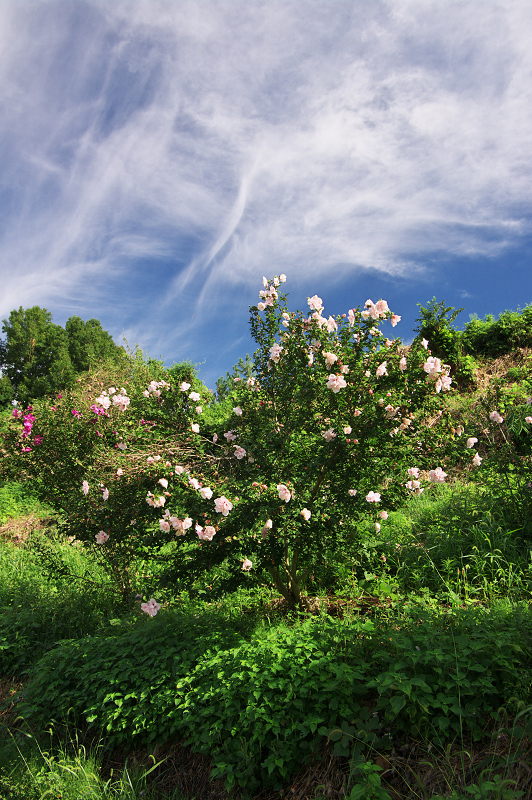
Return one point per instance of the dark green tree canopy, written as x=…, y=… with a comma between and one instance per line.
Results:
x=38, y=357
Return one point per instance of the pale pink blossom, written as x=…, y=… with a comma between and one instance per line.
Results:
x=373, y=497
x=264, y=281
x=122, y=446
x=352, y=492
x=239, y=452
x=105, y=493
x=103, y=401
x=284, y=492
x=205, y=533
x=471, y=442
x=357, y=412
x=383, y=514
x=163, y=482
x=330, y=358
x=310, y=358
x=195, y=397
x=432, y=366
x=351, y=317
x=381, y=370
x=223, y=505
x=275, y=352
x=199, y=410
x=446, y=381
x=331, y=325
x=179, y=470
x=247, y=564
x=528, y=420
x=382, y=307
x=378, y=527
x=155, y=502
x=85, y=488
x=206, y=493
x=336, y=382
x=414, y=486
x=121, y=401
x=414, y=472
x=306, y=514
x=477, y=460
x=187, y=523
x=230, y=436
x=437, y=475
x=101, y=537
x=261, y=306
x=424, y=343
x=238, y=411
x=347, y=430
x=402, y=364
x=286, y=319
x=315, y=303
x=328, y=435
x=282, y=278
x=344, y=369
x=496, y=417
x=164, y=525
x=119, y=471
x=395, y=319
x=195, y=427
x=267, y=527
x=194, y=483
x=151, y=607
x=184, y=386
x=150, y=460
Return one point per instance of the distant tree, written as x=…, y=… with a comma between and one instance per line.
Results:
x=35, y=356
x=243, y=369
x=89, y=344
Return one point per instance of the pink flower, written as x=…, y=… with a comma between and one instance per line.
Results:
x=373, y=497
x=284, y=492
x=377, y=527
x=275, y=352
x=331, y=325
x=424, y=343
x=121, y=401
x=336, y=382
x=184, y=386
x=402, y=364
x=383, y=514
x=432, y=366
x=119, y=471
x=205, y=533
x=215, y=438
x=101, y=537
x=381, y=370
x=347, y=430
x=261, y=306
x=330, y=358
x=267, y=527
x=282, y=278
x=164, y=525
x=472, y=441
x=352, y=492
x=496, y=417
x=414, y=486
x=206, y=493
x=395, y=319
x=195, y=397
x=195, y=427
x=437, y=475
x=247, y=564
x=194, y=483
x=238, y=411
x=315, y=303
x=105, y=494
x=306, y=514
x=328, y=435
x=179, y=470
x=155, y=502
x=151, y=607
x=414, y=472
x=223, y=505
x=85, y=488
x=199, y=410
x=230, y=436
x=477, y=460
x=528, y=420
x=239, y=452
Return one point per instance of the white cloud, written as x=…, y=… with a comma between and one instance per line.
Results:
x=220, y=141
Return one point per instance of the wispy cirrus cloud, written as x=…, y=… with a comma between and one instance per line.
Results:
x=156, y=157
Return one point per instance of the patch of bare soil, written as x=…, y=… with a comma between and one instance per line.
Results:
x=18, y=529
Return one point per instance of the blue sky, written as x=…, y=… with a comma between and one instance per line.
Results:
x=158, y=158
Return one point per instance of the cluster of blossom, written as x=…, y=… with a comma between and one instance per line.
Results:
x=151, y=607
x=119, y=399
x=438, y=372
x=154, y=389
x=269, y=294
